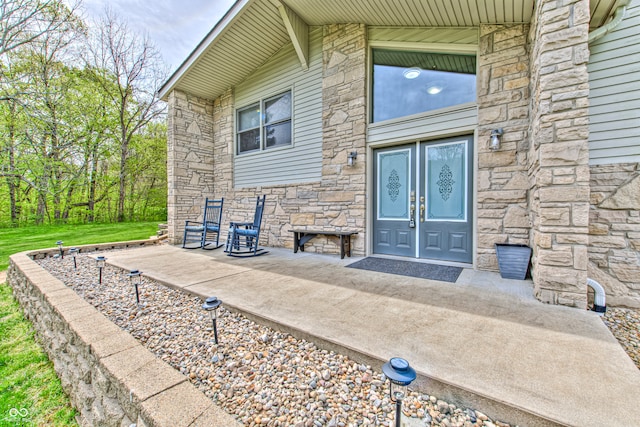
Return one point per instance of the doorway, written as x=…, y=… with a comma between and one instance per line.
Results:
x=422, y=200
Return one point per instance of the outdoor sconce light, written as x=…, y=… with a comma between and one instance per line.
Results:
x=136, y=279
x=59, y=243
x=211, y=305
x=73, y=252
x=494, y=142
x=400, y=375
x=351, y=158
x=100, y=262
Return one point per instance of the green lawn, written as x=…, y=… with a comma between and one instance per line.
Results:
x=39, y=237
x=30, y=391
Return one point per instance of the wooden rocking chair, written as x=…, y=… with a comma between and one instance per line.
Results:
x=244, y=237
x=203, y=233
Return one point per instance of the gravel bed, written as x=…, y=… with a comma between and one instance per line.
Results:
x=262, y=376
x=624, y=323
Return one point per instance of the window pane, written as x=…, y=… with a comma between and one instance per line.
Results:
x=406, y=83
x=249, y=140
x=249, y=118
x=277, y=109
x=279, y=134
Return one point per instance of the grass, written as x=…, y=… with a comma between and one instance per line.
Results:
x=30, y=391
x=39, y=237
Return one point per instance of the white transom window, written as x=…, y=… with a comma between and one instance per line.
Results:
x=413, y=82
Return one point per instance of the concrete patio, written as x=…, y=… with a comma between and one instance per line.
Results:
x=482, y=342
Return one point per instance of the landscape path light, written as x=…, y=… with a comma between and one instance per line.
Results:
x=211, y=305
x=73, y=252
x=59, y=243
x=100, y=262
x=400, y=375
x=135, y=277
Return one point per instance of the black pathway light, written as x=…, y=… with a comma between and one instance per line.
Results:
x=74, y=252
x=400, y=375
x=59, y=243
x=100, y=262
x=135, y=277
x=211, y=305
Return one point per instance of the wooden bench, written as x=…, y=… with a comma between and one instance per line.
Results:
x=300, y=237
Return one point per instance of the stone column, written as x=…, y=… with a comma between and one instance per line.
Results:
x=559, y=153
x=223, y=144
x=189, y=159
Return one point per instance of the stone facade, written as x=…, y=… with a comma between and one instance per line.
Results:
x=614, y=232
x=559, y=153
x=190, y=167
x=110, y=378
x=536, y=189
x=336, y=202
x=503, y=102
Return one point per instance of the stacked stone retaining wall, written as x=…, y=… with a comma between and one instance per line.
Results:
x=111, y=379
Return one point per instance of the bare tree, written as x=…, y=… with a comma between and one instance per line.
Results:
x=132, y=60
x=22, y=22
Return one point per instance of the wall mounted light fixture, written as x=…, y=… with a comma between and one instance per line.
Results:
x=351, y=158
x=494, y=142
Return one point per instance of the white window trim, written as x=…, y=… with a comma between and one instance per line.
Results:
x=261, y=102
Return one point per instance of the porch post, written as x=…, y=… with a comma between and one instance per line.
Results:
x=559, y=152
x=189, y=159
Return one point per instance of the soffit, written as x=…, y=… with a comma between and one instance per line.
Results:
x=253, y=31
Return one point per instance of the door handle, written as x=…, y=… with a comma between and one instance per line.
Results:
x=421, y=212
x=412, y=218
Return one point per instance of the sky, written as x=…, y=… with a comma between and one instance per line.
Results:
x=174, y=26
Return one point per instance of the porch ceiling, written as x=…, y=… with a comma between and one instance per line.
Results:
x=254, y=30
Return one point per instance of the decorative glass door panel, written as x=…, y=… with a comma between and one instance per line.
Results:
x=395, y=184
x=446, y=182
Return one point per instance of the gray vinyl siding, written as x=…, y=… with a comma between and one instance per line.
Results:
x=302, y=161
x=448, y=121
x=456, y=35
x=433, y=124
x=614, y=94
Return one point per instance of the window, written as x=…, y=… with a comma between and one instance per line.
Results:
x=257, y=131
x=411, y=82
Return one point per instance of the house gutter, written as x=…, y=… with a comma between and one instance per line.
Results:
x=618, y=16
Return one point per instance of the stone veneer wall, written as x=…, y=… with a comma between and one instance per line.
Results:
x=614, y=232
x=559, y=152
x=190, y=160
x=110, y=378
x=336, y=202
x=503, y=102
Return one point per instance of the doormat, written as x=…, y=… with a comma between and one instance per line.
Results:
x=443, y=273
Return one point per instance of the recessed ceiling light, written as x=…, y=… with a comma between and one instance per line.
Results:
x=435, y=88
x=411, y=73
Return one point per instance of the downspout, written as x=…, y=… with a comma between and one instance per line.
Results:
x=599, y=305
x=618, y=16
